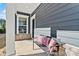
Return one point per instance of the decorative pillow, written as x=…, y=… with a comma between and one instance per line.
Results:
x=52, y=45
x=40, y=39
x=45, y=41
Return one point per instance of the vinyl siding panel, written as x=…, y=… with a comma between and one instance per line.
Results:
x=69, y=37
x=59, y=16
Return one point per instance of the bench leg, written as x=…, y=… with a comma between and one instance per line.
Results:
x=33, y=45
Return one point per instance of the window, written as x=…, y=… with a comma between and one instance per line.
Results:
x=22, y=25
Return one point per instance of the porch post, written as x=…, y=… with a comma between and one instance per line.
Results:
x=10, y=29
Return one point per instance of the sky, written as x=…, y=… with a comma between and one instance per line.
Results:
x=2, y=11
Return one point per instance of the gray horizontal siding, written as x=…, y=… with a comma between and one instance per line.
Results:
x=59, y=16
x=69, y=37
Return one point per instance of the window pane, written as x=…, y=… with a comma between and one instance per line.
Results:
x=22, y=21
x=22, y=29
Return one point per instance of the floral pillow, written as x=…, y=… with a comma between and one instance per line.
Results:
x=45, y=41
x=41, y=39
x=52, y=45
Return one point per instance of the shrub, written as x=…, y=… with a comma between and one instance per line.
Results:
x=2, y=31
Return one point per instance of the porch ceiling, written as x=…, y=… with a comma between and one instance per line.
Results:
x=27, y=7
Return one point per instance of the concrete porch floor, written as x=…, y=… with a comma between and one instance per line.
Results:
x=25, y=47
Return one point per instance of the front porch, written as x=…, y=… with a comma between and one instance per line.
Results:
x=23, y=22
